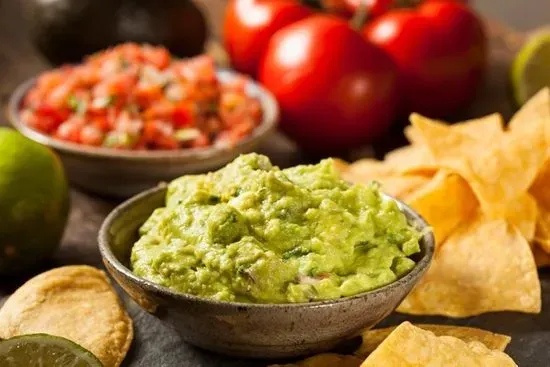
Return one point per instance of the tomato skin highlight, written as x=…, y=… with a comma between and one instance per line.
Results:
x=249, y=24
x=335, y=90
x=441, y=51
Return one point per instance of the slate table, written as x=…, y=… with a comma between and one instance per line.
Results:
x=155, y=344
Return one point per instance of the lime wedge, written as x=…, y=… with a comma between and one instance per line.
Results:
x=531, y=67
x=45, y=351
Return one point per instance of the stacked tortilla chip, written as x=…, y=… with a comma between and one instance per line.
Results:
x=485, y=190
x=410, y=345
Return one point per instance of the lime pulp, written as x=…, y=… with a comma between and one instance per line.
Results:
x=45, y=351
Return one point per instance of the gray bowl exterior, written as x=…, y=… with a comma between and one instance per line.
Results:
x=122, y=174
x=250, y=330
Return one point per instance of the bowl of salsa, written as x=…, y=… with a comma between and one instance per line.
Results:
x=131, y=116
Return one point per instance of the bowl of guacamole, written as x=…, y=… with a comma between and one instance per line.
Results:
x=254, y=260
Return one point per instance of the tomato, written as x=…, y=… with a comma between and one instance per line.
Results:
x=334, y=89
x=441, y=51
x=182, y=116
x=91, y=135
x=70, y=130
x=160, y=57
x=249, y=24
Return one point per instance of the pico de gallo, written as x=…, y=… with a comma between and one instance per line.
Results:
x=140, y=97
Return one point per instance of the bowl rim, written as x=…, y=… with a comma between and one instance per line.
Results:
x=427, y=244
x=269, y=121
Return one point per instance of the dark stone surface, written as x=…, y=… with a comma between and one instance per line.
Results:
x=157, y=345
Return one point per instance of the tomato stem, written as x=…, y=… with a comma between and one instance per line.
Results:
x=361, y=16
x=315, y=4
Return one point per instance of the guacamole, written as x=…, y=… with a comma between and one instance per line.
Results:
x=252, y=232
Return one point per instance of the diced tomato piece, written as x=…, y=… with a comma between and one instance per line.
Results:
x=167, y=142
x=50, y=79
x=182, y=116
x=118, y=85
x=100, y=123
x=56, y=114
x=162, y=109
x=242, y=129
x=131, y=52
x=127, y=124
x=34, y=97
x=57, y=98
x=201, y=141
x=157, y=56
x=87, y=76
x=70, y=130
x=41, y=123
x=159, y=134
x=147, y=93
x=91, y=135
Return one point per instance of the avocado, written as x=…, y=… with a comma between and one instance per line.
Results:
x=65, y=31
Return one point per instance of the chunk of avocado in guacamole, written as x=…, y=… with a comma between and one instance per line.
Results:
x=252, y=232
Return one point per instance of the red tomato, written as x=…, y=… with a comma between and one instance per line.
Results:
x=70, y=130
x=91, y=135
x=182, y=116
x=249, y=24
x=160, y=57
x=440, y=49
x=334, y=89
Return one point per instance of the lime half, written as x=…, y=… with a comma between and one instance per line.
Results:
x=531, y=67
x=45, y=351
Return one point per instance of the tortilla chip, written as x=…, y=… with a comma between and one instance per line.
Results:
x=74, y=302
x=542, y=233
x=367, y=170
x=534, y=115
x=402, y=186
x=373, y=338
x=541, y=187
x=521, y=212
x=325, y=360
x=340, y=165
x=483, y=266
x=444, y=202
x=542, y=259
x=490, y=169
x=410, y=346
x=481, y=128
x=411, y=159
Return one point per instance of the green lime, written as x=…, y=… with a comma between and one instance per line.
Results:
x=34, y=202
x=531, y=67
x=46, y=351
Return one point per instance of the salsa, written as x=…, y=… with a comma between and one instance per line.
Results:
x=140, y=97
x=251, y=232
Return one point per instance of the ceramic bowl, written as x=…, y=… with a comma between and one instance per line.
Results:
x=120, y=173
x=244, y=329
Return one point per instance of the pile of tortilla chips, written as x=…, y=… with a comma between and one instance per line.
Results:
x=421, y=345
x=485, y=190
